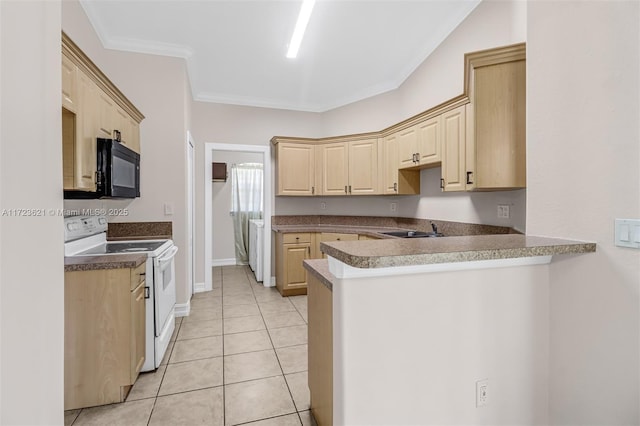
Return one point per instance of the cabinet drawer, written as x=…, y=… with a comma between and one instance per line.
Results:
x=292, y=238
x=138, y=275
x=333, y=236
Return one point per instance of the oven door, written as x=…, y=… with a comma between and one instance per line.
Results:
x=164, y=282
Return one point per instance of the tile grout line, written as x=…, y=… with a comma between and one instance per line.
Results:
x=224, y=390
x=155, y=399
x=279, y=363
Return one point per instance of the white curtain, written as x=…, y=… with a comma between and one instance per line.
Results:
x=246, y=204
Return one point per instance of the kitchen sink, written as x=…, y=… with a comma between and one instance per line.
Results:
x=413, y=234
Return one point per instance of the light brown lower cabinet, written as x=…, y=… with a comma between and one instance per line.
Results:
x=325, y=237
x=293, y=248
x=320, y=314
x=104, y=338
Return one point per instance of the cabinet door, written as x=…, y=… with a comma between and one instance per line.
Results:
x=429, y=141
x=121, y=124
x=106, y=115
x=86, y=134
x=453, y=150
x=137, y=330
x=363, y=167
x=335, y=169
x=295, y=276
x=407, y=147
x=128, y=128
x=498, y=160
x=389, y=164
x=69, y=84
x=134, y=138
x=296, y=174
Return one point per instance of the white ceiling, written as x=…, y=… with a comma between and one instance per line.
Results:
x=235, y=49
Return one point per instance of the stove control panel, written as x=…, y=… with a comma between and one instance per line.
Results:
x=76, y=227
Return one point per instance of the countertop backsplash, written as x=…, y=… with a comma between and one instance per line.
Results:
x=139, y=230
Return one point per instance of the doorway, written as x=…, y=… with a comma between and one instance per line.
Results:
x=210, y=233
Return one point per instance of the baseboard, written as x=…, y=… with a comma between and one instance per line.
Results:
x=183, y=309
x=199, y=288
x=223, y=262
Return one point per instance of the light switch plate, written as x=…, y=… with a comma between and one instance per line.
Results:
x=627, y=233
x=168, y=209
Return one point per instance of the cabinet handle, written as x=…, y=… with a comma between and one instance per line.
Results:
x=395, y=186
x=146, y=293
x=349, y=189
x=417, y=157
x=345, y=189
x=117, y=136
x=413, y=157
x=469, y=174
x=309, y=250
x=441, y=183
x=313, y=190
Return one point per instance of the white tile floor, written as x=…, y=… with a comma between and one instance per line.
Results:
x=240, y=357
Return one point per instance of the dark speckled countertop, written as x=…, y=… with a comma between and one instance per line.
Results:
x=92, y=263
x=424, y=251
x=319, y=268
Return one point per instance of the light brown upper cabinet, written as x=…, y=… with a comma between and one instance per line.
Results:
x=407, y=140
x=478, y=138
x=69, y=84
x=419, y=145
x=295, y=168
x=363, y=167
x=349, y=168
x=92, y=108
x=334, y=164
x=453, y=150
x=388, y=160
x=429, y=141
x=496, y=139
x=395, y=181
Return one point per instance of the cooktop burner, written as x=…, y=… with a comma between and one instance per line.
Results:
x=124, y=247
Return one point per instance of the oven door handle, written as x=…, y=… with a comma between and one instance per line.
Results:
x=170, y=255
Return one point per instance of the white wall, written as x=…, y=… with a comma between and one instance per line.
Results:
x=438, y=79
x=31, y=247
x=156, y=86
x=408, y=350
x=584, y=157
x=224, y=240
x=230, y=124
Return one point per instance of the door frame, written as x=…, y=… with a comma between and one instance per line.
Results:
x=191, y=211
x=265, y=150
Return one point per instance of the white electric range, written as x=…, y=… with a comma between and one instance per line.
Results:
x=87, y=236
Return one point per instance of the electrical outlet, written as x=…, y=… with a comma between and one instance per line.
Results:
x=168, y=209
x=393, y=207
x=323, y=206
x=503, y=211
x=482, y=392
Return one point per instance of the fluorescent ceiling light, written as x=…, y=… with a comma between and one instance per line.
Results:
x=301, y=26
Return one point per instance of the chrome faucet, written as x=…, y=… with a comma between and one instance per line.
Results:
x=434, y=227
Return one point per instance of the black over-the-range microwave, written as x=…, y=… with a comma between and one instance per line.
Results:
x=117, y=173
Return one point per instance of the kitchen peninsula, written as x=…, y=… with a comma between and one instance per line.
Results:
x=404, y=331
